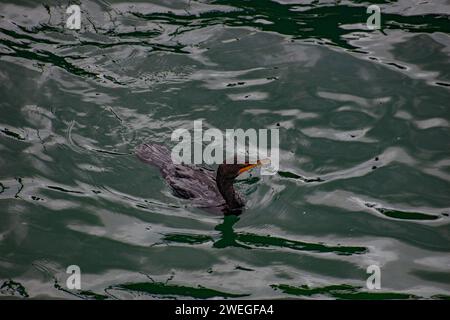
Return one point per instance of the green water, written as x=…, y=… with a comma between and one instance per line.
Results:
x=364, y=135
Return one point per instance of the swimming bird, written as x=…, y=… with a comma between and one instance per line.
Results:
x=206, y=189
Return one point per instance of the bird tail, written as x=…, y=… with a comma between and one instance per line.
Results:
x=154, y=154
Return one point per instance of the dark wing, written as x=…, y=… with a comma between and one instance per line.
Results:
x=155, y=155
x=187, y=182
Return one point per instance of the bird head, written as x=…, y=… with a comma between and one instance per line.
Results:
x=231, y=171
x=226, y=173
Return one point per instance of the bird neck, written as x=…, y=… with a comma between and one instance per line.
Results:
x=227, y=191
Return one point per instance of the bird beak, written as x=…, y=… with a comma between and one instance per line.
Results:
x=250, y=166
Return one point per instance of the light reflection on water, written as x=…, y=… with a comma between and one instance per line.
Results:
x=364, y=137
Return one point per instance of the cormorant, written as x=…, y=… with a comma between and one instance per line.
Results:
x=206, y=189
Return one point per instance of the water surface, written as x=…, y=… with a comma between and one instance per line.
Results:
x=364, y=135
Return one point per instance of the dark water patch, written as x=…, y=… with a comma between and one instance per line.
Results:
x=21, y=186
x=424, y=23
x=82, y=294
x=47, y=57
x=403, y=215
x=291, y=175
x=406, y=215
x=41, y=28
x=187, y=238
x=443, y=84
x=396, y=65
x=135, y=34
x=230, y=238
x=12, y=134
x=243, y=268
x=269, y=241
x=317, y=22
x=172, y=291
x=23, y=50
x=342, y=291
x=153, y=46
x=64, y=190
x=234, y=84
x=142, y=206
x=164, y=70
x=86, y=294
x=115, y=153
x=17, y=35
x=13, y=288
